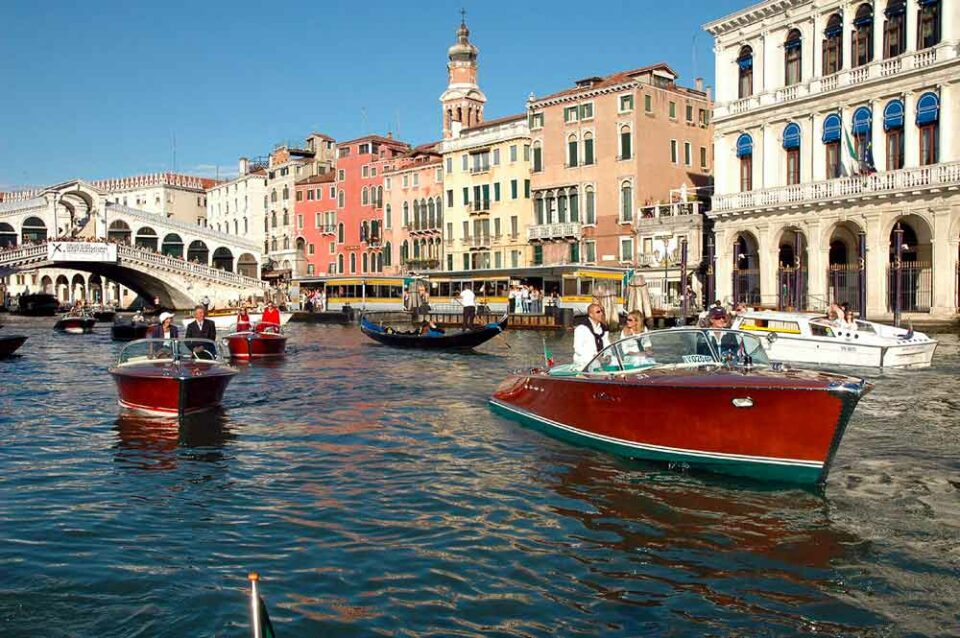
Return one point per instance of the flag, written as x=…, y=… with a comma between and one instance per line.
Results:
x=547, y=355
x=868, y=165
x=266, y=627
x=851, y=151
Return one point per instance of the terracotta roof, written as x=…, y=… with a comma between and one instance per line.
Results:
x=375, y=138
x=322, y=178
x=322, y=136
x=610, y=80
x=495, y=122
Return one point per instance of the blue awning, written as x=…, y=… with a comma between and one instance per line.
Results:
x=928, y=109
x=831, y=128
x=926, y=3
x=791, y=135
x=744, y=145
x=861, y=121
x=746, y=63
x=792, y=44
x=834, y=30
x=863, y=21
x=895, y=9
x=893, y=115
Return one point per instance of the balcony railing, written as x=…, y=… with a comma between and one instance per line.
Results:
x=878, y=70
x=481, y=206
x=476, y=170
x=329, y=229
x=654, y=213
x=907, y=179
x=554, y=231
x=478, y=241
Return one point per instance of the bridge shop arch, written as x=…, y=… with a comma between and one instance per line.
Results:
x=33, y=230
x=120, y=232
x=223, y=259
x=8, y=236
x=198, y=252
x=172, y=245
x=146, y=238
x=247, y=265
x=63, y=288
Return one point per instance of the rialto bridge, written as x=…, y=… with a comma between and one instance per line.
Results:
x=155, y=256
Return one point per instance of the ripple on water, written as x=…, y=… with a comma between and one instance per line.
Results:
x=376, y=494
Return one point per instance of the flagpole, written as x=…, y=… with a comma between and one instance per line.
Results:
x=255, y=603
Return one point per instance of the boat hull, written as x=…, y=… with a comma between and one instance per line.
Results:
x=128, y=331
x=847, y=352
x=229, y=321
x=451, y=340
x=171, y=389
x=10, y=344
x=75, y=325
x=786, y=430
x=254, y=345
x=105, y=316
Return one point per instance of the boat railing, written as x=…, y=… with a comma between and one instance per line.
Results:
x=169, y=351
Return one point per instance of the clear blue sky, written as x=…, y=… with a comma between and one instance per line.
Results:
x=102, y=89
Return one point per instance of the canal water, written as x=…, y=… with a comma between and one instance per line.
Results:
x=376, y=494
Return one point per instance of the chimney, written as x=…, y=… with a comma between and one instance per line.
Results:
x=709, y=92
x=699, y=84
x=389, y=135
x=244, y=166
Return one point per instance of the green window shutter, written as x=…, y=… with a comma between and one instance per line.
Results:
x=526, y=188
x=588, y=152
x=513, y=189
x=496, y=191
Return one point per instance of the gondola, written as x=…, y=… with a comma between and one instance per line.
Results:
x=104, y=316
x=449, y=340
x=10, y=343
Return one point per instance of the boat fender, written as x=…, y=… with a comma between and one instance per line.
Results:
x=771, y=337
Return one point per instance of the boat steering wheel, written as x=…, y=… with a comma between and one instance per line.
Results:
x=201, y=354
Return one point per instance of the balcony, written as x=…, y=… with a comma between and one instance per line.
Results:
x=418, y=263
x=478, y=241
x=570, y=230
x=477, y=170
x=480, y=207
x=660, y=213
x=329, y=229
x=876, y=71
x=907, y=180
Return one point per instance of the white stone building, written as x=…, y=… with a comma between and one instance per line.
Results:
x=238, y=207
x=835, y=131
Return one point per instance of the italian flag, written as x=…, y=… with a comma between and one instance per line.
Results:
x=852, y=152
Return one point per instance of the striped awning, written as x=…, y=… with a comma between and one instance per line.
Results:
x=928, y=109
x=831, y=128
x=791, y=135
x=862, y=120
x=893, y=115
x=744, y=145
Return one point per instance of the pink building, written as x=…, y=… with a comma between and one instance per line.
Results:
x=413, y=212
x=315, y=221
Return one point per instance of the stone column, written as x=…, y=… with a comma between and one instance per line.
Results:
x=876, y=135
x=847, y=15
x=767, y=255
x=808, y=158
x=878, y=20
x=912, y=18
x=723, y=266
x=813, y=41
x=948, y=123
x=818, y=155
x=944, y=260
x=878, y=247
x=911, y=137
x=818, y=256
x=760, y=65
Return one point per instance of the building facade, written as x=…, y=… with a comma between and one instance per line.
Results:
x=487, y=195
x=315, y=222
x=606, y=152
x=838, y=159
x=237, y=207
x=360, y=167
x=413, y=212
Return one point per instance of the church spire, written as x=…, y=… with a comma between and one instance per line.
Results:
x=462, y=101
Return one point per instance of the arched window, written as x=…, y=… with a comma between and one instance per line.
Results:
x=439, y=204
x=340, y=233
x=538, y=209
x=928, y=121
x=574, y=206
x=340, y=198
x=379, y=201
x=792, y=52
x=626, y=201
x=246, y=226
x=893, y=129
x=588, y=158
x=364, y=262
x=860, y=129
x=423, y=214
x=928, y=24
x=406, y=214
x=388, y=217
x=431, y=214
x=537, y=157
x=273, y=219
x=573, y=150
x=340, y=263
x=590, y=207
x=236, y=227
x=286, y=217
x=364, y=197
x=404, y=252
x=353, y=263
x=416, y=250
x=416, y=215
x=273, y=244
x=791, y=144
x=745, y=71
x=862, y=44
x=832, y=45
x=745, y=153
x=266, y=224
x=286, y=243
x=273, y=195
x=286, y=193
x=626, y=147
x=387, y=257
x=831, y=144
x=895, y=28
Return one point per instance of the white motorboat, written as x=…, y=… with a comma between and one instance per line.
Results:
x=813, y=339
x=225, y=321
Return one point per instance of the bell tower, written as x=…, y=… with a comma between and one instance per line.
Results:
x=463, y=100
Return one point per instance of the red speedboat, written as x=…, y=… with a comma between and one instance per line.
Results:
x=676, y=396
x=264, y=341
x=10, y=343
x=75, y=324
x=171, y=377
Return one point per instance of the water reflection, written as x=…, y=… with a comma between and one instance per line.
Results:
x=158, y=443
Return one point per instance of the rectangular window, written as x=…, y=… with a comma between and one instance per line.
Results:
x=572, y=153
x=570, y=114
x=416, y=179
x=486, y=196
x=746, y=174
x=586, y=111
x=466, y=195
x=537, y=160
x=648, y=103
x=450, y=231
x=496, y=191
x=464, y=162
x=526, y=152
x=406, y=181
x=449, y=164
x=496, y=157
x=590, y=251
x=894, y=149
x=626, y=150
x=514, y=225
x=832, y=152
x=438, y=175
x=703, y=158
x=466, y=231
x=513, y=189
x=574, y=253
x=333, y=192
x=466, y=261
x=690, y=113
x=626, y=249
x=341, y=175
x=538, y=254
x=704, y=117
x=526, y=188
x=536, y=121
x=929, y=144
x=590, y=206
x=514, y=258
x=365, y=171
x=793, y=166
x=673, y=110
x=316, y=220
x=513, y=153
x=674, y=152
x=309, y=195
x=311, y=249
x=687, y=154
x=496, y=227
x=387, y=183
x=626, y=103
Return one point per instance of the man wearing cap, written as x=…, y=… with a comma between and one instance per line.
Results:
x=591, y=337
x=725, y=342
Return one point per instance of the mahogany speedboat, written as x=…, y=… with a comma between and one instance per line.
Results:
x=676, y=396
x=264, y=341
x=75, y=324
x=10, y=343
x=170, y=376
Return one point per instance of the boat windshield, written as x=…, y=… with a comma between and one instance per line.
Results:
x=169, y=350
x=684, y=347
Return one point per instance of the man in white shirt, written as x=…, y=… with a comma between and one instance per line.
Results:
x=591, y=337
x=469, y=303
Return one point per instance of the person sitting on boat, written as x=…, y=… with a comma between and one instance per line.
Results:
x=137, y=318
x=633, y=326
x=164, y=329
x=849, y=322
x=243, y=320
x=270, y=318
x=201, y=328
x=725, y=342
x=590, y=337
x=430, y=329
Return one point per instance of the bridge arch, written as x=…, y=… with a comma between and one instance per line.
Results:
x=146, y=238
x=8, y=236
x=223, y=259
x=172, y=245
x=33, y=230
x=62, y=288
x=120, y=232
x=95, y=288
x=78, y=287
x=46, y=285
x=198, y=252
x=247, y=265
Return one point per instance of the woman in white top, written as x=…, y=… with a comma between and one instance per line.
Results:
x=633, y=327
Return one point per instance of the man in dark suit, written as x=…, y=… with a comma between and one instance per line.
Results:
x=725, y=342
x=201, y=328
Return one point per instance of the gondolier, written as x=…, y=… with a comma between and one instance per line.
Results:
x=468, y=301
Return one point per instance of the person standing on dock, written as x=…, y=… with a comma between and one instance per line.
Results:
x=469, y=303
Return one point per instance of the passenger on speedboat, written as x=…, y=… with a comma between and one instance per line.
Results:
x=201, y=328
x=725, y=342
x=243, y=320
x=591, y=337
x=849, y=322
x=271, y=317
x=634, y=326
x=137, y=317
x=165, y=328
